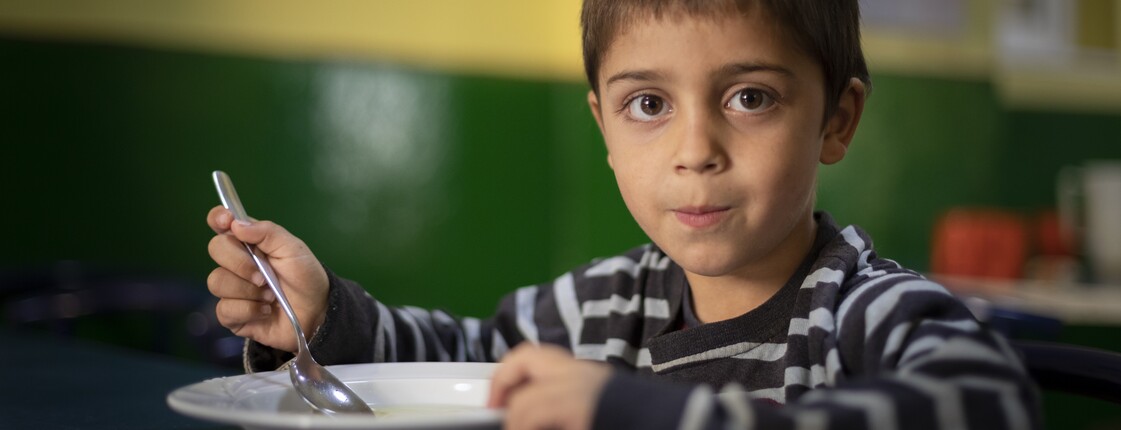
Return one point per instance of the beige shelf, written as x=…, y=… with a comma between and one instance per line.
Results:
x=1063, y=77
x=1073, y=89
x=1073, y=304
x=962, y=57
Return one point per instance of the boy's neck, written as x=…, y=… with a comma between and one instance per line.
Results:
x=725, y=297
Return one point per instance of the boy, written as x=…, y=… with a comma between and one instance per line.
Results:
x=715, y=115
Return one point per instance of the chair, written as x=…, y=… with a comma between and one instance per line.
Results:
x=1054, y=366
x=1083, y=371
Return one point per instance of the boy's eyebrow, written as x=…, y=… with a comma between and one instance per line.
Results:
x=634, y=75
x=749, y=67
x=728, y=70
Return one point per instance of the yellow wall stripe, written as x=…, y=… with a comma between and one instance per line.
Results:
x=530, y=38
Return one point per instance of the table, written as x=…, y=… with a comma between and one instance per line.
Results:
x=55, y=383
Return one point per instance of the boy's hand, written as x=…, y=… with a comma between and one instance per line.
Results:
x=545, y=387
x=247, y=306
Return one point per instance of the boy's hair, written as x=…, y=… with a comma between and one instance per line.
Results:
x=826, y=30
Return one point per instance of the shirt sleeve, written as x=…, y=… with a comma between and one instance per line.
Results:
x=913, y=357
x=360, y=329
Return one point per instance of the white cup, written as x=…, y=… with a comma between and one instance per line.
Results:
x=1090, y=210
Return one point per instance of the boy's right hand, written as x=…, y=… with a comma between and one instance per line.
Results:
x=247, y=305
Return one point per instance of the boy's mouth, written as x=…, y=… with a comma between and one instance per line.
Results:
x=701, y=216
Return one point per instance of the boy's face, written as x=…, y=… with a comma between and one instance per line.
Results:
x=714, y=129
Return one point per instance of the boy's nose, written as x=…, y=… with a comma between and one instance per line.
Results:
x=699, y=149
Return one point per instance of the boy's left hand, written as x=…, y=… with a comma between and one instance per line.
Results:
x=545, y=387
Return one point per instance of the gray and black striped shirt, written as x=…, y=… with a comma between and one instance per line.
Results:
x=852, y=341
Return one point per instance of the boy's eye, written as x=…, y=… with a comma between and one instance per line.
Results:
x=750, y=100
x=646, y=107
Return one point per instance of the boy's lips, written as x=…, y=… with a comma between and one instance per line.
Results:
x=701, y=216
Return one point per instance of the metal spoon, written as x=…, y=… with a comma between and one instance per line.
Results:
x=318, y=387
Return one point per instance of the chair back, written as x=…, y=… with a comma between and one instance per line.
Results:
x=1079, y=370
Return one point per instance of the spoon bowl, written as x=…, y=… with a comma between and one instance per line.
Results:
x=318, y=387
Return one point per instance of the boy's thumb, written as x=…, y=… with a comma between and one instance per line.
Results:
x=247, y=231
x=267, y=236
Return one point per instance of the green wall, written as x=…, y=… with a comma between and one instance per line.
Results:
x=431, y=188
x=926, y=145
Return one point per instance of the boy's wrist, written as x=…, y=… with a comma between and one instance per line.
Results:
x=348, y=319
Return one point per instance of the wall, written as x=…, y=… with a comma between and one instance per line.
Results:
x=925, y=145
x=434, y=188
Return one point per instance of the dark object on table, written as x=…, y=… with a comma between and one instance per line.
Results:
x=134, y=308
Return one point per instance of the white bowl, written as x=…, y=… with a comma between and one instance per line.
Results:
x=405, y=396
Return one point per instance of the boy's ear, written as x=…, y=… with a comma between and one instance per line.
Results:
x=841, y=127
x=593, y=104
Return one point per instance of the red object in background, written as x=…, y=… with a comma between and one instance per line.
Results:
x=985, y=243
x=1051, y=239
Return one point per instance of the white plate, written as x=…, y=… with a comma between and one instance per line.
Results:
x=415, y=396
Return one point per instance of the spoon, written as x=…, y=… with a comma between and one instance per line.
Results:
x=318, y=387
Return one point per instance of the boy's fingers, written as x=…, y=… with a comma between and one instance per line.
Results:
x=234, y=313
x=561, y=401
x=227, y=285
x=230, y=254
x=545, y=387
x=522, y=365
x=532, y=408
x=269, y=237
x=507, y=378
x=219, y=219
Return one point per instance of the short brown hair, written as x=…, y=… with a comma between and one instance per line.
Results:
x=826, y=30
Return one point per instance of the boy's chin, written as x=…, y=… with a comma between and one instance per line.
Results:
x=703, y=263
x=709, y=270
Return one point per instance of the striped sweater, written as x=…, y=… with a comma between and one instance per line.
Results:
x=851, y=341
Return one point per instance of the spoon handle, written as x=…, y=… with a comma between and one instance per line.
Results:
x=228, y=194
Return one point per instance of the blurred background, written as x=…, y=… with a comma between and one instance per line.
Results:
x=441, y=153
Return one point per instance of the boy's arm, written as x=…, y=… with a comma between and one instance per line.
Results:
x=915, y=364
x=359, y=329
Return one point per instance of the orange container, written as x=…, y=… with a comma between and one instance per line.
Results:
x=985, y=243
